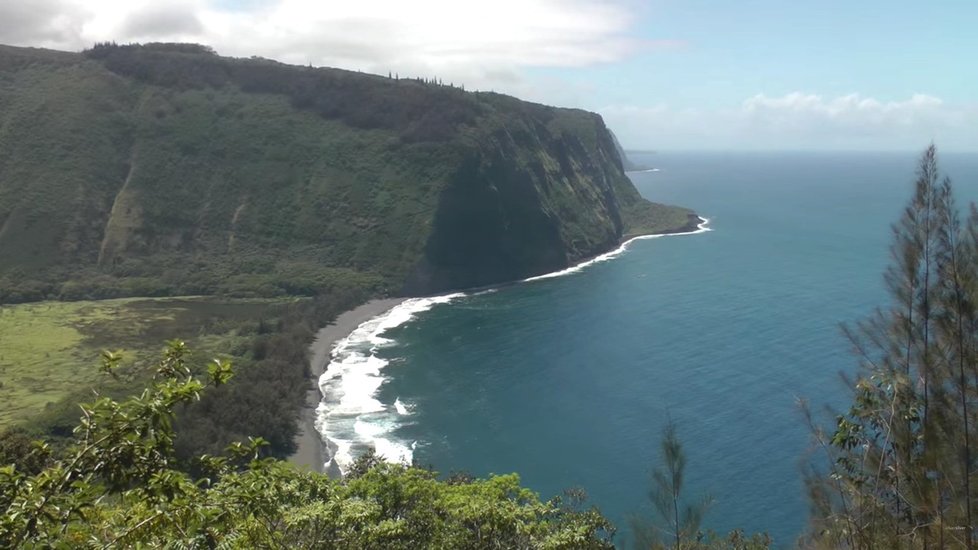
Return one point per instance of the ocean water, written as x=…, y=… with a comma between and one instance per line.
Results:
x=569, y=380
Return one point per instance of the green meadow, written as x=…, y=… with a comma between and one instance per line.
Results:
x=50, y=350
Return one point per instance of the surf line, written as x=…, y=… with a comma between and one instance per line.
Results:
x=349, y=416
x=701, y=227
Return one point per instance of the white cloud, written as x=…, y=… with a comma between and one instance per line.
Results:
x=850, y=113
x=162, y=21
x=40, y=22
x=489, y=45
x=475, y=42
x=801, y=121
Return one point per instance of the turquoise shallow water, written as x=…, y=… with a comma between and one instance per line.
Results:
x=569, y=380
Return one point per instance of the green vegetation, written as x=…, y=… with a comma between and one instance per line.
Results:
x=677, y=524
x=658, y=218
x=47, y=347
x=902, y=457
x=667, y=486
x=166, y=170
x=116, y=486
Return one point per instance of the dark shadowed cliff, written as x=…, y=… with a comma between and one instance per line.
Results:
x=166, y=169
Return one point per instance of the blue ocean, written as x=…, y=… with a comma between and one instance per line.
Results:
x=569, y=380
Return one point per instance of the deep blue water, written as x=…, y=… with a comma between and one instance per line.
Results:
x=570, y=380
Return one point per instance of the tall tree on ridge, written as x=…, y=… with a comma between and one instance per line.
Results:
x=901, y=455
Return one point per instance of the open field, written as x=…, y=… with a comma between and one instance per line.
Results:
x=50, y=350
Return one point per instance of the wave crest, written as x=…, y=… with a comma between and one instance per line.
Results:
x=702, y=227
x=350, y=417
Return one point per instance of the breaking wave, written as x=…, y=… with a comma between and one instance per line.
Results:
x=350, y=416
x=702, y=227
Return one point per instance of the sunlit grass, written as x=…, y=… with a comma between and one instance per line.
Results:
x=50, y=350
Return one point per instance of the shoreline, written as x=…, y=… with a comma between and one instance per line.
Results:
x=694, y=223
x=311, y=449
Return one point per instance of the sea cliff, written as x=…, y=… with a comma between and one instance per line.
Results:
x=166, y=169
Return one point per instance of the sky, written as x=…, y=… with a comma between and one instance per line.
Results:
x=664, y=74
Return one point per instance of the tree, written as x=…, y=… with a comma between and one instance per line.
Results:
x=900, y=458
x=678, y=522
x=18, y=448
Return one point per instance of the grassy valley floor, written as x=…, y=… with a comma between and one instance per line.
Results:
x=49, y=351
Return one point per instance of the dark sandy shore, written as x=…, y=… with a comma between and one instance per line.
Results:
x=311, y=451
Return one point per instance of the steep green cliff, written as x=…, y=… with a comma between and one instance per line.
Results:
x=166, y=169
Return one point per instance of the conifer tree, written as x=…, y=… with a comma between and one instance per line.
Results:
x=678, y=522
x=901, y=457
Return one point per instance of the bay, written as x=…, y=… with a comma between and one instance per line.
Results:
x=570, y=380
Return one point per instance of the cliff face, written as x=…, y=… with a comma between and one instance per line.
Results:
x=532, y=196
x=167, y=169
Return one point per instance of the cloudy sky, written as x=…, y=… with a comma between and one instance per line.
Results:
x=665, y=74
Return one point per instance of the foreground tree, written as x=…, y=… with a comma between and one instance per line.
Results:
x=901, y=456
x=677, y=524
x=118, y=486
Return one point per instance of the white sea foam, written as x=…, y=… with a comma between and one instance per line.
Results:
x=401, y=408
x=702, y=227
x=350, y=414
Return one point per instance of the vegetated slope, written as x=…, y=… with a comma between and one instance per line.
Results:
x=165, y=169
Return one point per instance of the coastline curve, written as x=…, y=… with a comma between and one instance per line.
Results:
x=349, y=418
